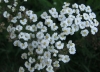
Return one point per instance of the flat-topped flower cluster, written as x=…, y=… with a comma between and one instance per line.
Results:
x=45, y=40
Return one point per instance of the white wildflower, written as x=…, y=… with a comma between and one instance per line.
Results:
x=84, y=32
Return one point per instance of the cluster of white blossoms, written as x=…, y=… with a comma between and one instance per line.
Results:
x=46, y=40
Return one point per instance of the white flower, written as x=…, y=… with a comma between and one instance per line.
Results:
x=94, y=30
x=91, y=25
x=40, y=25
x=32, y=35
x=30, y=53
x=47, y=37
x=43, y=38
x=47, y=54
x=21, y=69
x=52, y=10
x=30, y=47
x=59, y=45
x=61, y=17
x=48, y=61
x=31, y=69
x=34, y=44
x=14, y=20
x=49, y=69
x=23, y=22
x=55, y=52
x=62, y=36
x=33, y=17
x=22, y=8
x=69, y=11
x=66, y=59
x=52, y=41
x=19, y=15
x=28, y=27
x=77, y=11
x=40, y=35
x=77, y=21
x=24, y=56
x=87, y=23
x=13, y=9
x=39, y=50
x=88, y=9
x=74, y=11
x=44, y=43
x=9, y=28
x=82, y=7
x=63, y=23
x=12, y=35
x=69, y=21
x=76, y=27
x=54, y=27
x=70, y=44
x=38, y=66
x=55, y=15
x=56, y=64
x=50, y=48
x=92, y=15
x=71, y=16
x=44, y=15
x=66, y=30
x=86, y=16
x=39, y=42
x=82, y=25
x=26, y=36
x=31, y=60
x=13, y=30
x=96, y=23
x=66, y=4
x=29, y=12
x=41, y=59
x=23, y=45
x=84, y=32
x=34, y=28
x=27, y=64
x=79, y=16
x=16, y=43
x=48, y=22
x=6, y=14
x=75, y=5
x=55, y=36
x=21, y=35
x=72, y=50
x=43, y=65
x=63, y=11
x=61, y=57
x=19, y=28
x=44, y=29
x=72, y=30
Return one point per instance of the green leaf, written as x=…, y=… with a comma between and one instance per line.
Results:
x=89, y=2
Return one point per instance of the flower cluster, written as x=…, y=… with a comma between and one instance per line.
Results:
x=45, y=40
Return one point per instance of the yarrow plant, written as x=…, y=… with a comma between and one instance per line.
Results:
x=45, y=40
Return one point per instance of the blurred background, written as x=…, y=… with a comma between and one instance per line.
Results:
x=87, y=57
